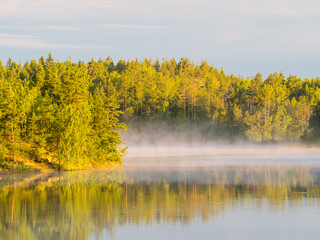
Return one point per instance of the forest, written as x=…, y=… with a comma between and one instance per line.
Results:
x=69, y=115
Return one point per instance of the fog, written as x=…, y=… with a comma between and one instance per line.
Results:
x=187, y=146
x=212, y=155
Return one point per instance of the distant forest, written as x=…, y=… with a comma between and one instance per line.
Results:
x=68, y=114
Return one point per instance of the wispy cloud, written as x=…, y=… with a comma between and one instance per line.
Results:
x=288, y=8
x=146, y=9
x=124, y=26
x=35, y=42
x=59, y=28
x=64, y=28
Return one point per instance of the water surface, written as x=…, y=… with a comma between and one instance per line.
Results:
x=166, y=198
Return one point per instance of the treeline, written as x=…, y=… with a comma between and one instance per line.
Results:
x=272, y=109
x=58, y=114
x=67, y=113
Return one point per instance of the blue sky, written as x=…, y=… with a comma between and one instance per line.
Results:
x=242, y=36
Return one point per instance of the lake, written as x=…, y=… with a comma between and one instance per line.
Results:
x=258, y=194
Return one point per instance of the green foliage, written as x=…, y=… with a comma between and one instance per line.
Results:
x=3, y=154
x=71, y=111
x=48, y=115
x=274, y=109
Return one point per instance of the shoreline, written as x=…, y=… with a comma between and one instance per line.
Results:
x=29, y=169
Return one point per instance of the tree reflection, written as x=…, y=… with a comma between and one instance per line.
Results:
x=76, y=205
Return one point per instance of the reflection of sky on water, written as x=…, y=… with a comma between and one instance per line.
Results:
x=245, y=223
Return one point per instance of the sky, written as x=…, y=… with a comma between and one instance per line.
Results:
x=242, y=36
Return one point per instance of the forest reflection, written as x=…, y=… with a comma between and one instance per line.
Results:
x=79, y=205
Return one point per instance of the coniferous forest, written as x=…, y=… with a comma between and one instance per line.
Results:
x=68, y=115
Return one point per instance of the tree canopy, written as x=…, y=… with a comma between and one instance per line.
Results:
x=68, y=114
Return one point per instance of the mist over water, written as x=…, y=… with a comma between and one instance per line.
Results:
x=164, y=147
x=178, y=143
x=212, y=156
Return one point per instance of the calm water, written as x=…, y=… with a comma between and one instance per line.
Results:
x=244, y=199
